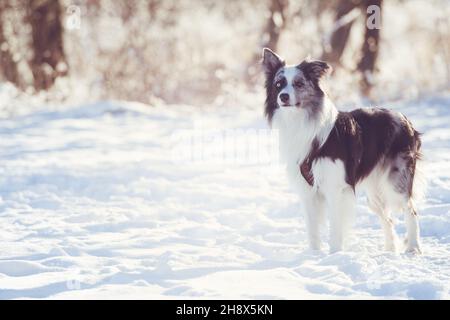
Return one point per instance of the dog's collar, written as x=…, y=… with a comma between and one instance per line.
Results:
x=305, y=170
x=306, y=165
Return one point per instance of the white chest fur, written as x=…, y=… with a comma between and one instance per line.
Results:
x=297, y=131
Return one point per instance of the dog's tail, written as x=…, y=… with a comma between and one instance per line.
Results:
x=419, y=183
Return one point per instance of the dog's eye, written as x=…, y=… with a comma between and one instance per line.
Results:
x=299, y=84
x=280, y=83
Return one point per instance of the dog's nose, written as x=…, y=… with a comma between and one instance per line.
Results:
x=284, y=97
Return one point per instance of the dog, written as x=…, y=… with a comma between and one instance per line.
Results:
x=330, y=154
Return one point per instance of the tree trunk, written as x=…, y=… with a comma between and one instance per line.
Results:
x=275, y=23
x=8, y=66
x=270, y=36
x=153, y=6
x=48, y=60
x=369, y=52
x=334, y=50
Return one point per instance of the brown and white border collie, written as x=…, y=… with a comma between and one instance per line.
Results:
x=329, y=154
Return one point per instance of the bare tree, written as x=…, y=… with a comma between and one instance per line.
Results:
x=7, y=63
x=153, y=6
x=369, y=50
x=275, y=23
x=127, y=10
x=48, y=60
x=339, y=39
x=270, y=36
x=342, y=25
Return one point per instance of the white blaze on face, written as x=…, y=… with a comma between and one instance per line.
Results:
x=289, y=73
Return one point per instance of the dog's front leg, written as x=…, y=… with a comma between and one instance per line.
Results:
x=314, y=209
x=341, y=206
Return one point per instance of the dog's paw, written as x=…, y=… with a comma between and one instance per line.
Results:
x=412, y=247
x=391, y=247
x=413, y=250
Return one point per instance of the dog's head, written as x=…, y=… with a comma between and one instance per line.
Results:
x=296, y=86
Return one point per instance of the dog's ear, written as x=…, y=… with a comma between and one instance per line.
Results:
x=271, y=61
x=316, y=69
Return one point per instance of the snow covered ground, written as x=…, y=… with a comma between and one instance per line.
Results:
x=95, y=202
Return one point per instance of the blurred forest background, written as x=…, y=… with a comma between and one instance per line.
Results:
x=204, y=52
